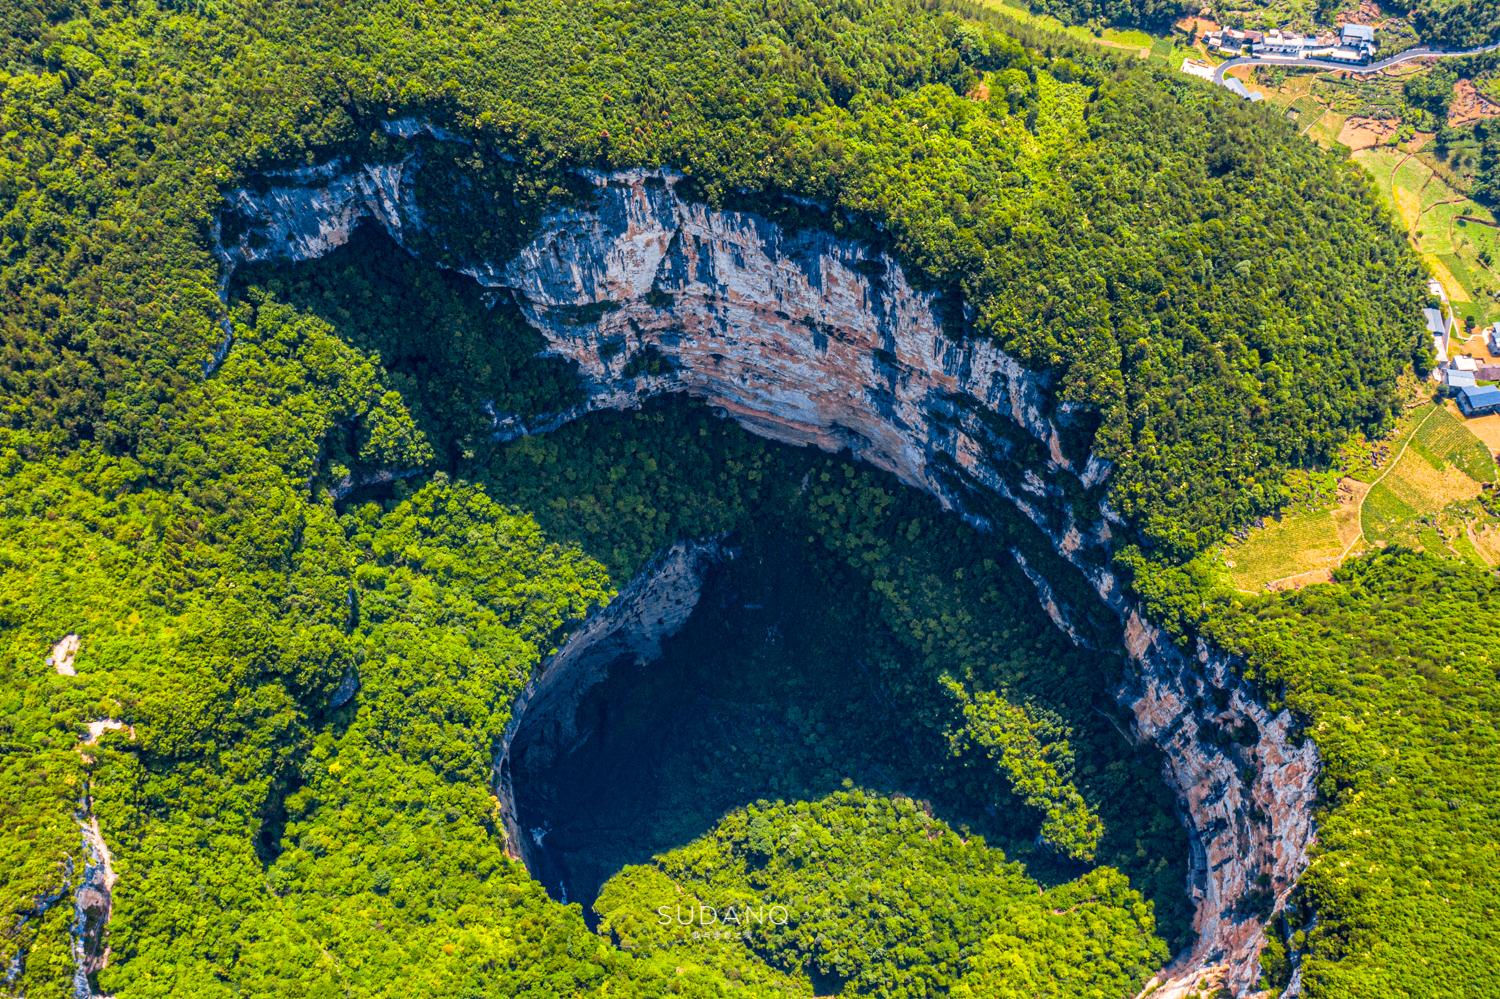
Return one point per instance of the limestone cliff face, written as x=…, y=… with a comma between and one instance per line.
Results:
x=808, y=338
x=630, y=628
x=92, y=902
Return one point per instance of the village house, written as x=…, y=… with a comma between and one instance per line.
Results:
x=1233, y=41
x=1458, y=380
x=1440, y=329
x=1480, y=400
x=1355, y=43
x=1358, y=36
x=1283, y=43
x=1343, y=53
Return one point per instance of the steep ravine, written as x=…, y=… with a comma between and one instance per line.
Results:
x=808, y=338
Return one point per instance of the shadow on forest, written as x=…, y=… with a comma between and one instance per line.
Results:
x=768, y=692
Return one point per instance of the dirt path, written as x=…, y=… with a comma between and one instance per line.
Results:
x=1415, y=222
x=1381, y=478
x=1323, y=575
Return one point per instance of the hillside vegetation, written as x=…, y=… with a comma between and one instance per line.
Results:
x=1130, y=252
x=169, y=497
x=1394, y=666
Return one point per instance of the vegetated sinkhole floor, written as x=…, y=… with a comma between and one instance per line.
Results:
x=767, y=693
x=812, y=661
x=814, y=657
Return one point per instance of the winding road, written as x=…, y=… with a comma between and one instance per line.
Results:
x=1375, y=67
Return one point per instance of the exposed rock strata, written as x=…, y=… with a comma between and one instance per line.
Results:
x=628, y=630
x=93, y=899
x=92, y=903
x=807, y=338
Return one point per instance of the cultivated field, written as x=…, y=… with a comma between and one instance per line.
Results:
x=1421, y=491
x=1459, y=239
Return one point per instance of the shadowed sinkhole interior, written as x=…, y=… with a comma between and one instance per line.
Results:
x=778, y=688
x=816, y=655
x=813, y=659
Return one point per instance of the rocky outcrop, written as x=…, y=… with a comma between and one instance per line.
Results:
x=808, y=338
x=63, y=654
x=93, y=899
x=628, y=630
x=92, y=902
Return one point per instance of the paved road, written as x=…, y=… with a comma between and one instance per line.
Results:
x=1374, y=67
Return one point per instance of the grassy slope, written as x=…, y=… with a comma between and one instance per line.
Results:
x=1425, y=500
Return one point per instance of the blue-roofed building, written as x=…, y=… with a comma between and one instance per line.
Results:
x=1479, y=400
x=1437, y=325
x=1456, y=379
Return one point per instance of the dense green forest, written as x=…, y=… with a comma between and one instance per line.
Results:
x=1458, y=24
x=1100, y=227
x=1394, y=666
x=1144, y=13
x=1227, y=301
x=840, y=856
x=895, y=682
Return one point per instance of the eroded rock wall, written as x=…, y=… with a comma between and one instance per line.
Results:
x=809, y=338
x=629, y=629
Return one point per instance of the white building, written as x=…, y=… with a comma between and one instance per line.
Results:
x=1441, y=329
x=1202, y=70
x=1358, y=36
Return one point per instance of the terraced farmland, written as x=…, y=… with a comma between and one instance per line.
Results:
x=1425, y=494
x=1459, y=239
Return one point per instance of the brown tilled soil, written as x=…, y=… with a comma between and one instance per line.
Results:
x=1364, y=133
x=1486, y=428
x=1368, y=12
x=1418, y=141
x=1204, y=25
x=1469, y=106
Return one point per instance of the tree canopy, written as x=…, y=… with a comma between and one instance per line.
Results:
x=236, y=529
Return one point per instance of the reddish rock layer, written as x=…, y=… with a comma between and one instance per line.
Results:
x=807, y=338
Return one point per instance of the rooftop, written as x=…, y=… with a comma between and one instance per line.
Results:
x=1479, y=396
x=1459, y=379
x=1235, y=86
